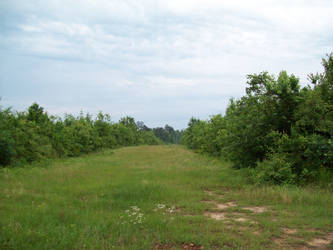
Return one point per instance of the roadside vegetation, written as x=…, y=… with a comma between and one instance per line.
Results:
x=281, y=133
x=33, y=135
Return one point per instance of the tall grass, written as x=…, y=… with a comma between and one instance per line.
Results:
x=148, y=196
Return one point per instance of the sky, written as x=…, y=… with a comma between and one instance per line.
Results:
x=161, y=62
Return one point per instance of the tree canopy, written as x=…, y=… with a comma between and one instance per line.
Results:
x=282, y=132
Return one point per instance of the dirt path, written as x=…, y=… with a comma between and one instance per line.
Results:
x=244, y=218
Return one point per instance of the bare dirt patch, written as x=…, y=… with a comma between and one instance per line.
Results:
x=209, y=192
x=284, y=244
x=255, y=209
x=315, y=243
x=241, y=219
x=318, y=242
x=163, y=246
x=289, y=230
x=216, y=215
x=311, y=230
x=221, y=206
x=231, y=204
x=219, y=216
x=290, y=238
x=191, y=246
x=322, y=242
x=278, y=241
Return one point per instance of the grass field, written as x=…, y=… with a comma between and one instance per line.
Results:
x=156, y=197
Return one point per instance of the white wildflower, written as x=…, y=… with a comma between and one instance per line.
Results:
x=160, y=206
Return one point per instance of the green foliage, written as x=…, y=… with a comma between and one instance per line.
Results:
x=148, y=138
x=7, y=143
x=34, y=135
x=36, y=114
x=195, y=134
x=282, y=131
x=168, y=134
x=205, y=136
x=275, y=170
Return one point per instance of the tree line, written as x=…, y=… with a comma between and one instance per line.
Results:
x=33, y=135
x=281, y=133
x=168, y=134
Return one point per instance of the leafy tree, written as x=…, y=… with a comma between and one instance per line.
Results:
x=33, y=135
x=36, y=114
x=168, y=134
x=284, y=133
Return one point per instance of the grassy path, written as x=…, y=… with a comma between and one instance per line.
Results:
x=156, y=197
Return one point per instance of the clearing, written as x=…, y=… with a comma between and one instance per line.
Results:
x=156, y=197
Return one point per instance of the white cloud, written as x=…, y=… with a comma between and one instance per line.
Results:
x=177, y=49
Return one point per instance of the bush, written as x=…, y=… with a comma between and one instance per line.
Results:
x=7, y=148
x=275, y=170
x=31, y=136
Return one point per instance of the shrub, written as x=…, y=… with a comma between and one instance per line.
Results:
x=33, y=135
x=275, y=170
x=7, y=148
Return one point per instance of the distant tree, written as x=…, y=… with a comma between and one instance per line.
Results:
x=168, y=134
x=36, y=114
x=129, y=122
x=142, y=126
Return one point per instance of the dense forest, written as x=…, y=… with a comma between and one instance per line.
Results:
x=34, y=135
x=281, y=133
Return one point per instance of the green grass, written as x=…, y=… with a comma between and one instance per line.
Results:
x=81, y=203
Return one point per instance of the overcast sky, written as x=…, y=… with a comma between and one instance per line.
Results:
x=161, y=62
